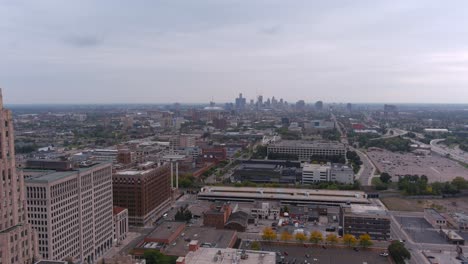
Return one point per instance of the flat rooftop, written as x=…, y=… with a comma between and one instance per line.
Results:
x=308, y=144
x=289, y=191
x=132, y=172
x=229, y=256
x=165, y=230
x=367, y=209
x=50, y=262
x=51, y=176
x=220, y=238
x=281, y=194
x=434, y=214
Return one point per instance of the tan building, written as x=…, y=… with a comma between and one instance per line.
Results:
x=18, y=241
x=72, y=212
x=120, y=224
x=202, y=255
x=144, y=191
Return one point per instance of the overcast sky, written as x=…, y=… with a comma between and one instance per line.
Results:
x=112, y=51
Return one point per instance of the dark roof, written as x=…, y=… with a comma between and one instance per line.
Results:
x=117, y=210
x=50, y=262
x=240, y=218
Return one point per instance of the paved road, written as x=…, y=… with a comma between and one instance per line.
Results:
x=368, y=171
x=396, y=133
x=416, y=250
x=459, y=156
x=397, y=232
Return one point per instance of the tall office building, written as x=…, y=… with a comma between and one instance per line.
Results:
x=319, y=105
x=240, y=102
x=145, y=191
x=72, y=212
x=18, y=243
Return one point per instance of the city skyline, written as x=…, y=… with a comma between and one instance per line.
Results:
x=158, y=52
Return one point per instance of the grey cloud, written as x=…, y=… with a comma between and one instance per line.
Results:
x=82, y=40
x=273, y=30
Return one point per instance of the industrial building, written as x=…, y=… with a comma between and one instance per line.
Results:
x=316, y=173
x=304, y=150
x=365, y=219
x=283, y=195
x=435, y=218
x=266, y=173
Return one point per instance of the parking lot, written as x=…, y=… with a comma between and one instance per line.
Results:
x=420, y=230
x=297, y=254
x=435, y=167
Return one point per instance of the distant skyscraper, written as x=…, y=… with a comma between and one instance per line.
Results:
x=274, y=102
x=18, y=241
x=319, y=105
x=349, y=107
x=259, y=101
x=300, y=105
x=240, y=103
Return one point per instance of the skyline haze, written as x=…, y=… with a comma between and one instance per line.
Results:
x=164, y=52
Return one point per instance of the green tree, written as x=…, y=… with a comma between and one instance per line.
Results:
x=398, y=252
x=183, y=214
x=156, y=257
x=255, y=245
x=365, y=241
x=349, y=240
x=385, y=177
x=316, y=237
x=460, y=183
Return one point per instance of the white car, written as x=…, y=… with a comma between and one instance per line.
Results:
x=384, y=254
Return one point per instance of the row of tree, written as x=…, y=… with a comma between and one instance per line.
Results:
x=355, y=160
x=316, y=237
x=418, y=185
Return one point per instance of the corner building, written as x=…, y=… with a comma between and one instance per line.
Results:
x=146, y=193
x=72, y=212
x=18, y=243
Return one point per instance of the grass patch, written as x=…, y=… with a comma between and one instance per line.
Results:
x=376, y=181
x=400, y=204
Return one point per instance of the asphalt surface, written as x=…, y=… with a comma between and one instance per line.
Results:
x=368, y=171
x=297, y=254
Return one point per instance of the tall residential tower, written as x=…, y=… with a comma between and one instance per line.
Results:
x=18, y=242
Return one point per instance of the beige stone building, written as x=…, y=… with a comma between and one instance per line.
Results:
x=72, y=212
x=120, y=224
x=18, y=243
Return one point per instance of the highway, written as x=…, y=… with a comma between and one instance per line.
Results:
x=458, y=156
x=396, y=133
